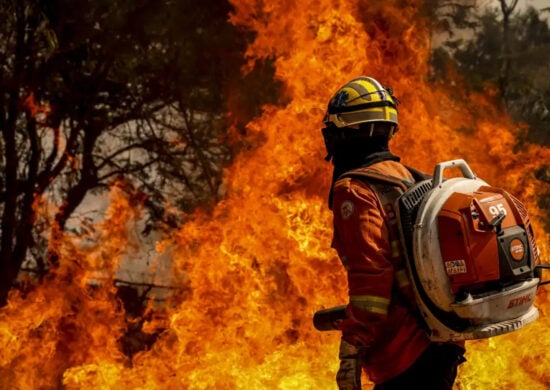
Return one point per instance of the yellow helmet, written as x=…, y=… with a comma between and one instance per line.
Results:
x=362, y=100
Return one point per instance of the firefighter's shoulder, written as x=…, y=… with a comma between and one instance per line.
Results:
x=352, y=187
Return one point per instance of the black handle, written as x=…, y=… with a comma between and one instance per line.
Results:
x=325, y=319
x=497, y=222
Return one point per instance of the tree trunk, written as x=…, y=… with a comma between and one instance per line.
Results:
x=9, y=264
x=504, y=74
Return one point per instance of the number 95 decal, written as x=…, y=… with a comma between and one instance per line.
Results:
x=497, y=209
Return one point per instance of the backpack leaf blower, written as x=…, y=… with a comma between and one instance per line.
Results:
x=471, y=256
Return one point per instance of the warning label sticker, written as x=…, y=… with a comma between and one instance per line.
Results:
x=455, y=267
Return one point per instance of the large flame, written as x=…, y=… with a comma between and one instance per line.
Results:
x=261, y=264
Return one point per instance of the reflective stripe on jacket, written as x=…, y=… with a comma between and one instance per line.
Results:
x=379, y=291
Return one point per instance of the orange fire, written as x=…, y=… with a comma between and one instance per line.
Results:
x=261, y=264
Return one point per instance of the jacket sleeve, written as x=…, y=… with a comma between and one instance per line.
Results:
x=361, y=239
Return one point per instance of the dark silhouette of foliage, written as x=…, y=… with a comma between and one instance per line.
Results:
x=507, y=50
x=93, y=91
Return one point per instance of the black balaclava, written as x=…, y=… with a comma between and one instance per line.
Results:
x=358, y=153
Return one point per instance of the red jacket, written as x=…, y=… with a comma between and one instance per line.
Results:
x=380, y=298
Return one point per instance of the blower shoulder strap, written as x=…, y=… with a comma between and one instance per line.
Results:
x=366, y=173
x=418, y=175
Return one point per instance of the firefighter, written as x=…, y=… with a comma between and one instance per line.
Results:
x=381, y=334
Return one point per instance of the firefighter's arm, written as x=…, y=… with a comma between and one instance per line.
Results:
x=362, y=241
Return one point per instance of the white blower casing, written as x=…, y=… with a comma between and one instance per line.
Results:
x=471, y=256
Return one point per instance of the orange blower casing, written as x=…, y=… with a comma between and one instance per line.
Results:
x=474, y=251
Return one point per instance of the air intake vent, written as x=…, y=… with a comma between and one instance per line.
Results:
x=520, y=207
x=414, y=196
x=409, y=204
x=525, y=217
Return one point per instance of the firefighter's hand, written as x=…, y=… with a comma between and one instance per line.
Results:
x=354, y=332
x=348, y=376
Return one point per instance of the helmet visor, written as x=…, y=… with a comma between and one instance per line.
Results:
x=348, y=119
